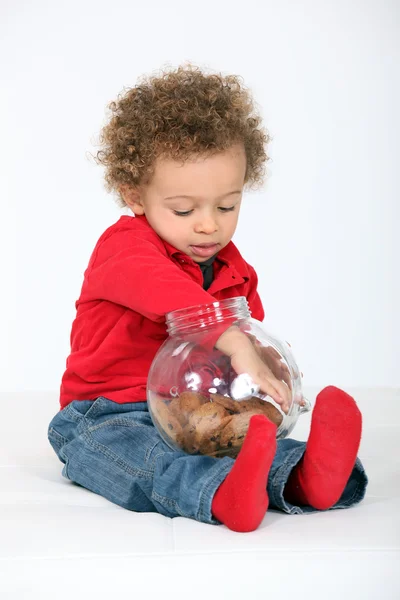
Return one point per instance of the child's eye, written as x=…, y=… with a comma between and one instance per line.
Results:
x=222, y=209
x=184, y=213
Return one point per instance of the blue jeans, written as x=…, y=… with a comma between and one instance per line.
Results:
x=114, y=450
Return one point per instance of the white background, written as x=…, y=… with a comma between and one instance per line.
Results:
x=322, y=233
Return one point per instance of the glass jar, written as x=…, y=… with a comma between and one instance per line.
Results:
x=197, y=401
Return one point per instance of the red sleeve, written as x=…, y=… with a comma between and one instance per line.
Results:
x=254, y=300
x=133, y=271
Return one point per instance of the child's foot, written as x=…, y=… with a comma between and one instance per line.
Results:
x=331, y=451
x=241, y=501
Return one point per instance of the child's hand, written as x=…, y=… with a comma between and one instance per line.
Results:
x=247, y=360
x=274, y=361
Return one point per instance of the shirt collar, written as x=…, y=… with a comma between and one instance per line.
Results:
x=229, y=255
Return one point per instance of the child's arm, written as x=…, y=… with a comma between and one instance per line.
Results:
x=244, y=356
x=253, y=298
x=131, y=270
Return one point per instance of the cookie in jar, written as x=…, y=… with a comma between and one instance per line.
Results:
x=197, y=401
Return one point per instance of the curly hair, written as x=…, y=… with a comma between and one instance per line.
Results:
x=177, y=114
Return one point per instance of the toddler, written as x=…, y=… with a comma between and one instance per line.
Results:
x=179, y=149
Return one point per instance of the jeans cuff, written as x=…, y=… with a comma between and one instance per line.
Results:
x=204, y=514
x=277, y=485
x=353, y=493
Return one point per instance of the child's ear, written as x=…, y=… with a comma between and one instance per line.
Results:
x=132, y=198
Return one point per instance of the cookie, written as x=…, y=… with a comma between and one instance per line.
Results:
x=207, y=438
x=230, y=405
x=189, y=402
x=210, y=427
x=257, y=405
x=188, y=443
x=235, y=431
x=175, y=409
x=204, y=428
x=168, y=422
x=207, y=446
x=210, y=410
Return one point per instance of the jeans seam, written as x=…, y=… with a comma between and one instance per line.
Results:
x=170, y=503
x=57, y=437
x=115, y=458
x=119, y=421
x=73, y=414
x=201, y=513
x=97, y=405
x=149, y=451
x=152, y=464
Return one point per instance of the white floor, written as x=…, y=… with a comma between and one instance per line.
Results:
x=59, y=541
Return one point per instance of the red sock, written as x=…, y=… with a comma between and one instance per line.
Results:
x=331, y=451
x=241, y=501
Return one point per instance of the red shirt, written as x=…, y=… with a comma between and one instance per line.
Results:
x=132, y=281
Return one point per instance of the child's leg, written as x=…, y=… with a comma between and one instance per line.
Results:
x=115, y=451
x=331, y=452
x=242, y=500
x=324, y=472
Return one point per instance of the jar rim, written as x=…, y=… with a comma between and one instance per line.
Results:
x=204, y=315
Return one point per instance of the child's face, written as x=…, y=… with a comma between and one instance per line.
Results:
x=194, y=206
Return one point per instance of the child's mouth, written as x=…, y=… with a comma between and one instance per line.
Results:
x=205, y=250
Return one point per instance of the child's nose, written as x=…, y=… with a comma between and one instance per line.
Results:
x=206, y=225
